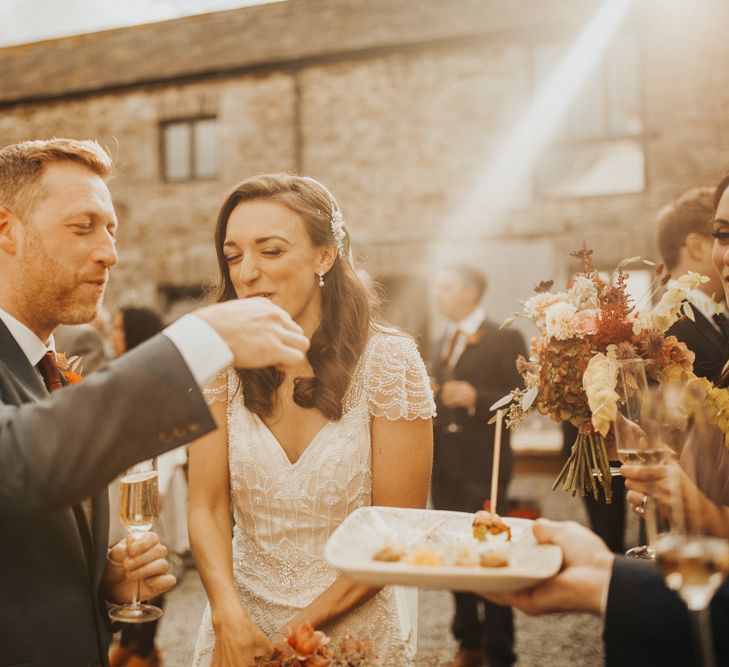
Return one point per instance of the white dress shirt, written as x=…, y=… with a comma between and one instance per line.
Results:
x=468, y=326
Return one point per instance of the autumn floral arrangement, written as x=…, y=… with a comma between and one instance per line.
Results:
x=306, y=647
x=571, y=373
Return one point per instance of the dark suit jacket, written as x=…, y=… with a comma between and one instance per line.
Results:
x=647, y=625
x=704, y=340
x=463, y=461
x=54, y=452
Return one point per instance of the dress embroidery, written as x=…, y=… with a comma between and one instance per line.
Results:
x=284, y=512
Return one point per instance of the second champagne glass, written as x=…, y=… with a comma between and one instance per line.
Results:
x=636, y=434
x=138, y=509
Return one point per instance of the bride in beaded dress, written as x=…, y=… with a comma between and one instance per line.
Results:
x=299, y=449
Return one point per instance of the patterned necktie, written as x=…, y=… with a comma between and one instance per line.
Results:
x=722, y=321
x=48, y=367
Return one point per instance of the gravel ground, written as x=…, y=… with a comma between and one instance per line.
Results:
x=558, y=640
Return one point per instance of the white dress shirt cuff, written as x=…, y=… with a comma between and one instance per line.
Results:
x=202, y=348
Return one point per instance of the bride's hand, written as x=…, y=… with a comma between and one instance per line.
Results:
x=238, y=643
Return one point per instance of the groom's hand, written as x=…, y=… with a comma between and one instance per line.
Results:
x=142, y=557
x=257, y=332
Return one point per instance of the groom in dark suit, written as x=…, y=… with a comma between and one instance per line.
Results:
x=685, y=243
x=472, y=367
x=58, y=451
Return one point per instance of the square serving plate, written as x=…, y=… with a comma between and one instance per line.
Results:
x=364, y=532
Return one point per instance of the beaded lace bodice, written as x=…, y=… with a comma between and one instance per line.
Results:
x=284, y=512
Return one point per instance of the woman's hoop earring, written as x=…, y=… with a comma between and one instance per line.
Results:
x=321, y=278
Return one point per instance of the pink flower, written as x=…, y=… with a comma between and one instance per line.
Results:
x=536, y=307
x=586, y=322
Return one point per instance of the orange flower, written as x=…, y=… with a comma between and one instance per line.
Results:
x=71, y=377
x=309, y=645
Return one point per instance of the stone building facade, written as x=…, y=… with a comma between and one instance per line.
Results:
x=396, y=105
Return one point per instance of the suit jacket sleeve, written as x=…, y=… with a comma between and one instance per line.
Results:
x=648, y=624
x=56, y=452
x=503, y=376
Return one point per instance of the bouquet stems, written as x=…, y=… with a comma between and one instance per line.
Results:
x=586, y=466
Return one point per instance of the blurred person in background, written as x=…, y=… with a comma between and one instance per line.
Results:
x=685, y=243
x=472, y=367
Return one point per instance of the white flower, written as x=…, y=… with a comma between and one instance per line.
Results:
x=667, y=310
x=534, y=308
x=583, y=293
x=599, y=380
x=561, y=321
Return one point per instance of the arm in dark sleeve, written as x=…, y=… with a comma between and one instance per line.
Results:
x=60, y=450
x=648, y=624
x=501, y=379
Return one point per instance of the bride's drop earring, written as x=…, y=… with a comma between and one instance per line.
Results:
x=321, y=278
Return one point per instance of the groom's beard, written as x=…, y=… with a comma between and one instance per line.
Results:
x=48, y=293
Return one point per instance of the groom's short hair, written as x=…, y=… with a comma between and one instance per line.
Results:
x=22, y=165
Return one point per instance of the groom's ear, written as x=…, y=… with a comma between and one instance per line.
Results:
x=8, y=241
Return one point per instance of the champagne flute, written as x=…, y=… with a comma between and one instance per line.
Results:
x=693, y=555
x=637, y=434
x=138, y=508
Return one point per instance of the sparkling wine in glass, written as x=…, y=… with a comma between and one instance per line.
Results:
x=635, y=434
x=695, y=566
x=691, y=548
x=138, y=509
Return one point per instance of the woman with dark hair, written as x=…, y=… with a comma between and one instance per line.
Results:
x=298, y=449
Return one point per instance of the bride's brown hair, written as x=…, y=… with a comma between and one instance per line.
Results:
x=347, y=303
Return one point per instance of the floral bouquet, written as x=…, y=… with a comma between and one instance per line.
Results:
x=571, y=373
x=306, y=647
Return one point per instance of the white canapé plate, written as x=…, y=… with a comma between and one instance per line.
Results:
x=368, y=529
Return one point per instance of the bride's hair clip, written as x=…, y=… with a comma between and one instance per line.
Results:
x=337, y=224
x=336, y=219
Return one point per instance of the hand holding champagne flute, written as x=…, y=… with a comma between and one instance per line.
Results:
x=138, y=509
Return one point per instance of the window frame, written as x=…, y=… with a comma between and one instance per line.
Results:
x=606, y=137
x=190, y=122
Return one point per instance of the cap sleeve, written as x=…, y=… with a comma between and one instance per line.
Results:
x=216, y=391
x=396, y=381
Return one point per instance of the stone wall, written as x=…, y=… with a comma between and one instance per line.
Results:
x=396, y=110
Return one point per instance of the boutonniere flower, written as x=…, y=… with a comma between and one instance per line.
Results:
x=475, y=338
x=71, y=369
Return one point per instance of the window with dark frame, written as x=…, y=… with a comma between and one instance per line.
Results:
x=599, y=148
x=189, y=149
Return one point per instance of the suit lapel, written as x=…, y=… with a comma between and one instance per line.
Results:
x=709, y=332
x=471, y=348
x=19, y=366
x=26, y=376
